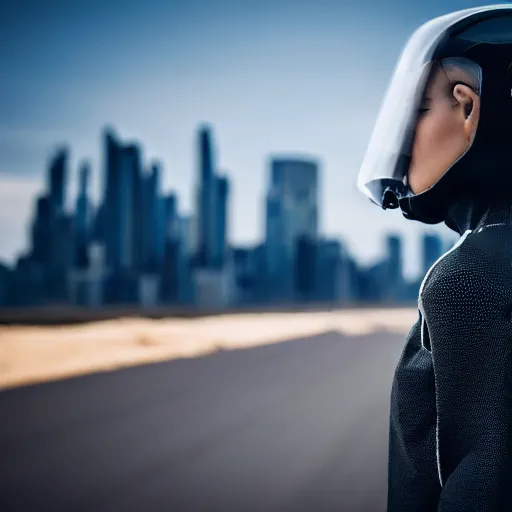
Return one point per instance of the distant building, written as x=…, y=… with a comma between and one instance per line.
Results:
x=63, y=251
x=212, y=213
x=170, y=283
x=132, y=220
x=42, y=231
x=220, y=221
x=334, y=276
x=112, y=211
x=258, y=257
x=123, y=205
x=412, y=289
x=373, y=282
x=121, y=287
x=149, y=290
x=247, y=275
x=153, y=222
x=97, y=273
x=5, y=282
x=186, y=287
x=88, y=285
x=392, y=284
x=83, y=220
x=291, y=215
x=98, y=224
x=275, y=247
x=28, y=283
x=432, y=249
x=214, y=288
x=52, y=232
x=206, y=189
x=169, y=286
x=177, y=286
x=305, y=269
x=57, y=181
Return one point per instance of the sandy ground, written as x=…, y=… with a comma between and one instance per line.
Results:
x=37, y=354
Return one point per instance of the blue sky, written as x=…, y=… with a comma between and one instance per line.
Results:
x=271, y=77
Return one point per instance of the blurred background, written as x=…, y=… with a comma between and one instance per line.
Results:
x=200, y=154
x=162, y=159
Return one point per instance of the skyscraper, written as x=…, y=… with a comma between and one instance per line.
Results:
x=111, y=208
x=274, y=234
x=125, y=206
x=329, y=271
x=132, y=180
x=5, y=280
x=220, y=220
x=205, y=200
x=62, y=257
x=52, y=232
x=393, y=279
x=152, y=218
x=82, y=219
x=57, y=181
x=169, y=290
x=244, y=274
x=170, y=215
x=186, y=284
x=296, y=182
x=305, y=275
x=292, y=215
x=432, y=250
x=122, y=204
x=42, y=231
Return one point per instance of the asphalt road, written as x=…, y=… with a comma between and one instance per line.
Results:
x=296, y=426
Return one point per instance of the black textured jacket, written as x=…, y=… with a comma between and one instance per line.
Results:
x=450, y=443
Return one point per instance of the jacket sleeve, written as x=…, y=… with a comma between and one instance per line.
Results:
x=413, y=484
x=467, y=307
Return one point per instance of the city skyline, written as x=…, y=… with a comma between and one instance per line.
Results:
x=303, y=80
x=137, y=246
x=83, y=174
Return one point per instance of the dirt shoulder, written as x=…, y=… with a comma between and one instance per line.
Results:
x=31, y=354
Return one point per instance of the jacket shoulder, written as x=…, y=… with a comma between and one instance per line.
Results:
x=476, y=269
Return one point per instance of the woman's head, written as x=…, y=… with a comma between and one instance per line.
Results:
x=459, y=145
x=448, y=117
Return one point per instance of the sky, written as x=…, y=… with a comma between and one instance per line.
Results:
x=271, y=78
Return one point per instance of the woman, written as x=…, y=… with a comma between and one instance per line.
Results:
x=442, y=151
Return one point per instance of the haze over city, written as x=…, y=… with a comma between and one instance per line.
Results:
x=273, y=79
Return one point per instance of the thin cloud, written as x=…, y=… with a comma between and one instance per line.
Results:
x=17, y=194
x=31, y=137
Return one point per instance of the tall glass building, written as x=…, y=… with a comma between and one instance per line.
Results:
x=291, y=221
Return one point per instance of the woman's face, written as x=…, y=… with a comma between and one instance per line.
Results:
x=447, y=121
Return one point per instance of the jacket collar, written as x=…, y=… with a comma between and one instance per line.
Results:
x=470, y=214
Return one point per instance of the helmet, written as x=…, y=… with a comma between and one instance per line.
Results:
x=481, y=37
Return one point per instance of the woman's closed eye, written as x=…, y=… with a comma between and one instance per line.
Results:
x=424, y=105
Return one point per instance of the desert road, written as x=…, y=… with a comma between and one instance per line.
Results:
x=300, y=426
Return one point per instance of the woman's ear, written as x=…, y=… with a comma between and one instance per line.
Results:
x=469, y=102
